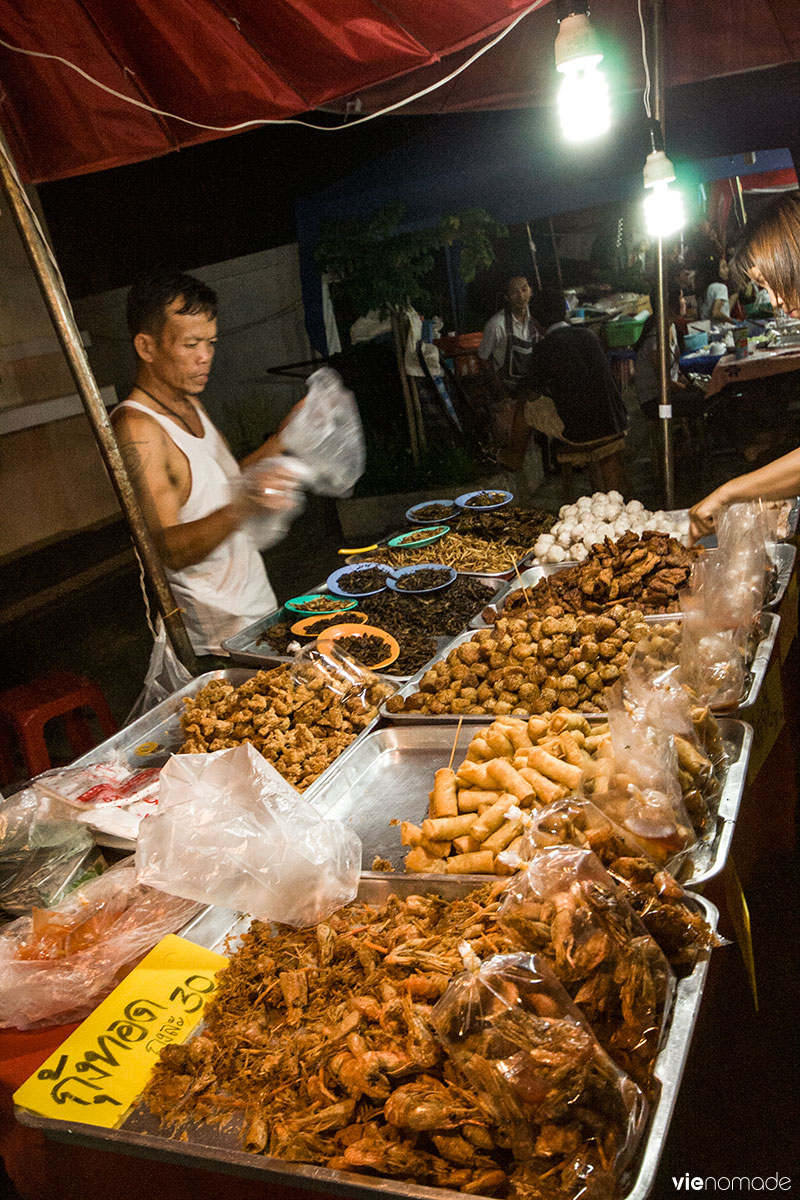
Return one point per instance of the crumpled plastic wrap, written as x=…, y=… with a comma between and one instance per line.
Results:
x=550, y=1093
x=229, y=830
x=57, y=964
x=325, y=433
x=565, y=907
x=40, y=854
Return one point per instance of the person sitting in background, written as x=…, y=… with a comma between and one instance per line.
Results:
x=504, y=352
x=570, y=366
x=711, y=290
x=509, y=335
x=686, y=400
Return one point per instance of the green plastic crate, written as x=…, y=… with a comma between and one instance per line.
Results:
x=623, y=333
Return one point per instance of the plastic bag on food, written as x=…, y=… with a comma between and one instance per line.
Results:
x=107, y=796
x=324, y=431
x=229, y=830
x=545, y=1085
x=565, y=907
x=41, y=856
x=166, y=674
x=331, y=672
x=57, y=964
x=671, y=915
x=635, y=781
x=576, y=821
x=712, y=649
x=661, y=701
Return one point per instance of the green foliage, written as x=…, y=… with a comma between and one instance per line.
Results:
x=376, y=266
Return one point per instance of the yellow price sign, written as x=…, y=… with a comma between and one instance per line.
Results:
x=97, y=1074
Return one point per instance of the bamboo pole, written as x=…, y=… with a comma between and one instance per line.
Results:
x=60, y=310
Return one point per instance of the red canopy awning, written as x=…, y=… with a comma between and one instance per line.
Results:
x=220, y=63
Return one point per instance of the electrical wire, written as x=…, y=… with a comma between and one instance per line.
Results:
x=259, y=121
x=646, y=94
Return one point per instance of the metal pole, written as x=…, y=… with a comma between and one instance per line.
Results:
x=662, y=299
x=555, y=252
x=532, y=246
x=58, y=305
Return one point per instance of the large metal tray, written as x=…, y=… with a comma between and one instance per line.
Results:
x=386, y=778
x=157, y=735
x=756, y=670
x=216, y=1149
x=245, y=647
x=783, y=555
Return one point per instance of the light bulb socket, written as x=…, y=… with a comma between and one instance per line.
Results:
x=576, y=42
x=657, y=169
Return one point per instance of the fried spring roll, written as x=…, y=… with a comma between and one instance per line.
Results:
x=445, y=801
x=478, y=751
x=444, y=829
x=555, y=768
x=499, y=744
x=689, y=757
x=418, y=860
x=410, y=834
x=481, y=862
x=572, y=751
x=493, y=818
x=537, y=726
x=544, y=789
x=465, y=844
x=471, y=799
x=564, y=718
x=475, y=775
x=503, y=774
x=504, y=836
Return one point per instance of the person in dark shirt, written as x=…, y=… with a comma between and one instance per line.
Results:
x=570, y=366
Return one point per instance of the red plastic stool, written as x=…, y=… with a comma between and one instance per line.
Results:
x=25, y=710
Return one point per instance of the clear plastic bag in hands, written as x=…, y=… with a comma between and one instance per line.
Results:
x=273, y=488
x=40, y=853
x=520, y=1045
x=56, y=965
x=324, y=431
x=565, y=907
x=330, y=671
x=229, y=830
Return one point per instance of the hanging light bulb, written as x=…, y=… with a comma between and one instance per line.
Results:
x=583, y=102
x=663, y=207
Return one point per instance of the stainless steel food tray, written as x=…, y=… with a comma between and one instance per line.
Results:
x=157, y=735
x=783, y=555
x=386, y=778
x=245, y=647
x=216, y=1149
x=756, y=670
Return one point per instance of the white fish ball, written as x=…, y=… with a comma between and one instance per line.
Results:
x=556, y=554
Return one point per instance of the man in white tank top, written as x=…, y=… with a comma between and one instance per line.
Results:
x=181, y=468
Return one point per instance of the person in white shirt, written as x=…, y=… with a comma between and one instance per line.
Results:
x=509, y=335
x=185, y=477
x=715, y=304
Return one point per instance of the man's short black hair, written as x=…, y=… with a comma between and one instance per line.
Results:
x=548, y=306
x=150, y=297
